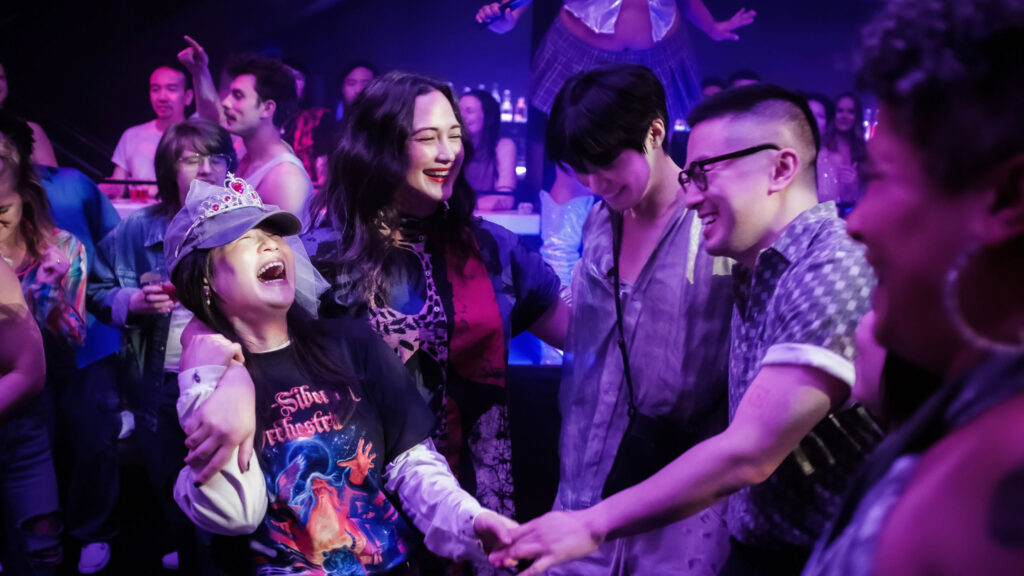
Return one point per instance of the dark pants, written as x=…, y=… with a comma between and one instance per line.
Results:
x=161, y=448
x=88, y=422
x=28, y=492
x=746, y=560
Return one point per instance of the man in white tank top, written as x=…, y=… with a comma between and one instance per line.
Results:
x=259, y=100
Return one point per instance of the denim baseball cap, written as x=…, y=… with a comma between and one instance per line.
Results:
x=217, y=215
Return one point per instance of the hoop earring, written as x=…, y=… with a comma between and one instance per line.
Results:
x=951, y=290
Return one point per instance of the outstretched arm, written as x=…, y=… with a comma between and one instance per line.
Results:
x=453, y=523
x=783, y=404
x=701, y=17
x=197, y=62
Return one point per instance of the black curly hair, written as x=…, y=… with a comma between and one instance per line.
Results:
x=949, y=74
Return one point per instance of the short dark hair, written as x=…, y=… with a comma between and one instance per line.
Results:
x=948, y=73
x=752, y=99
x=177, y=67
x=273, y=82
x=744, y=74
x=205, y=136
x=352, y=65
x=600, y=113
x=767, y=101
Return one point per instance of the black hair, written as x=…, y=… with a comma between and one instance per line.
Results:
x=368, y=168
x=349, y=67
x=600, y=113
x=206, y=137
x=37, y=225
x=177, y=67
x=762, y=99
x=744, y=74
x=273, y=82
x=948, y=73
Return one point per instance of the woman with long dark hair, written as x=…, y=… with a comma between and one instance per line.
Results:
x=397, y=240
x=491, y=169
x=341, y=435
x=843, y=147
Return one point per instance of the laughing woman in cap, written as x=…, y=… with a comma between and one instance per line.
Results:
x=342, y=437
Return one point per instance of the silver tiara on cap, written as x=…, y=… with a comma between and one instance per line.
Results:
x=237, y=193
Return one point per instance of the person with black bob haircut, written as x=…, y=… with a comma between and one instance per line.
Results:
x=801, y=286
x=610, y=125
x=942, y=220
x=343, y=460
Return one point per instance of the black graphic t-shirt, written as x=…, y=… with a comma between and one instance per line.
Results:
x=324, y=446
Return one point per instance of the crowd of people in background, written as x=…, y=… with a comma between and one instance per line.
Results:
x=793, y=340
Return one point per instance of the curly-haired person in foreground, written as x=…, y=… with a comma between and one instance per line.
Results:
x=943, y=224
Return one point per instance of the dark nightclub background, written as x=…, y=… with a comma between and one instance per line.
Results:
x=81, y=69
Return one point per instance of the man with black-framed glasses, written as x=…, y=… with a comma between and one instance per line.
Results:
x=801, y=286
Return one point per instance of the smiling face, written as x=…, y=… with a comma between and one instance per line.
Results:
x=435, y=155
x=254, y=276
x=846, y=114
x=624, y=182
x=472, y=113
x=737, y=209
x=244, y=111
x=912, y=233
x=168, y=94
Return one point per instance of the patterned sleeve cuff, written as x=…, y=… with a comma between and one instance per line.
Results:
x=823, y=359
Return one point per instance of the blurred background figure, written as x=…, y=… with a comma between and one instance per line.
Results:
x=492, y=169
x=843, y=148
x=828, y=179
x=42, y=150
x=711, y=85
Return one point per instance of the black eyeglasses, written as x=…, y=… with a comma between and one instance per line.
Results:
x=697, y=173
x=217, y=161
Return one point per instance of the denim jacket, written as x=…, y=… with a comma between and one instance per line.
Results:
x=129, y=251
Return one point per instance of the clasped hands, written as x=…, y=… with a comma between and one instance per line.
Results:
x=553, y=538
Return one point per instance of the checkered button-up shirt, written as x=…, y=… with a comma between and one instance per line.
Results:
x=799, y=305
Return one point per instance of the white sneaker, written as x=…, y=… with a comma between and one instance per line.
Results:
x=170, y=561
x=95, y=557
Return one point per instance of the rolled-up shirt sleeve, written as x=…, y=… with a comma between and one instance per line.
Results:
x=232, y=502
x=432, y=498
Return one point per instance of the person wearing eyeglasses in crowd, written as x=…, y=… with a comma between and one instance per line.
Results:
x=801, y=286
x=129, y=288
